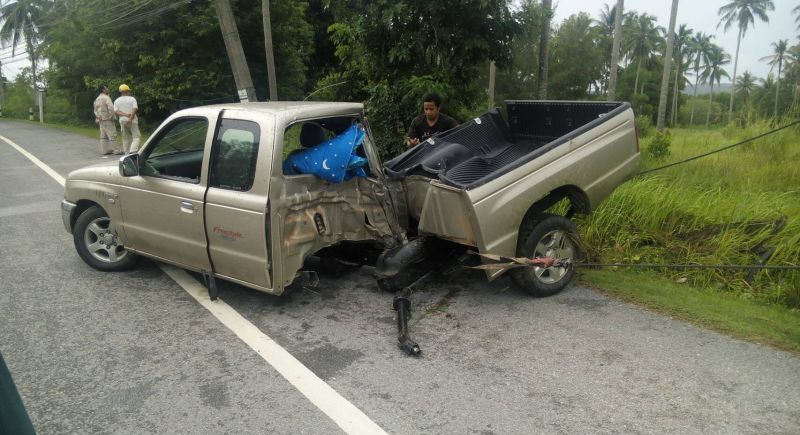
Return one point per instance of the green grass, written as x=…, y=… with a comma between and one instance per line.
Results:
x=721, y=209
x=772, y=325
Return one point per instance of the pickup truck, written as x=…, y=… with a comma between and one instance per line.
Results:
x=210, y=192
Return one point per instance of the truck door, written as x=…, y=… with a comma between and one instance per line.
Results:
x=236, y=208
x=162, y=207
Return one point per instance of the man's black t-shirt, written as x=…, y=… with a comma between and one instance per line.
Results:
x=421, y=130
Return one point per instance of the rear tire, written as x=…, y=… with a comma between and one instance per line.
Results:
x=550, y=236
x=98, y=244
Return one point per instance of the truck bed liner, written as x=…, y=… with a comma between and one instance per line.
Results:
x=484, y=148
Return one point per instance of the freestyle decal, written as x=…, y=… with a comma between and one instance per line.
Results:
x=229, y=235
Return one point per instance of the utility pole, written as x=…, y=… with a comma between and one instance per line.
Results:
x=273, y=82
x=41, y=105
x=2, y=89
x=233, y=45
x=491, y=84
x=612, y=76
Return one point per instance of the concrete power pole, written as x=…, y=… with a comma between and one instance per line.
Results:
x=233, y=45
x=273, y=82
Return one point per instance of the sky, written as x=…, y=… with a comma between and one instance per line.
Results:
x=699, y=15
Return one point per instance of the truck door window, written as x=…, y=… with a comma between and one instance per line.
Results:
x=233, y=157
x=178, y=151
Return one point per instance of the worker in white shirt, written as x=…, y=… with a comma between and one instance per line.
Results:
x=127, y=110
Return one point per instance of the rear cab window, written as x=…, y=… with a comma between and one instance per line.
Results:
x=234, y=155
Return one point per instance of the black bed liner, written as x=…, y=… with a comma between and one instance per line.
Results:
x=484, y=148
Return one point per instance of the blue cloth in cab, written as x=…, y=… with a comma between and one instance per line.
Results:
x=333, y=160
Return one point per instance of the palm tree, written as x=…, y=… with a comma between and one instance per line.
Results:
x=20, y=24
x=763, y=92
x=544, y=38
x=778, y=57
x=796, y=11
x=747, y=83
x=741, y=12
x=700, y=48
x=662, y=100
x=680, y=56
x=642, y=41
x=793, y=70
x=714, y=72
x=612, y=76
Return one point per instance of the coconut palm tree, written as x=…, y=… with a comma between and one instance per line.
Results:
x=747, y=83
x=604, y=28
x=796, y=11
x=793, y=70
x=680, y=51
x=20, y=25
x=612, y=75
x=714, y=72
x=778, y=58
x=699, y=47
x=662, y=99
x=741, y=13
x=642, y=41
x=762, y=94
x=544, y=39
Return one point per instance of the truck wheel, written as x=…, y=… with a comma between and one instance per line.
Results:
x=555, y=237
x=97, y=242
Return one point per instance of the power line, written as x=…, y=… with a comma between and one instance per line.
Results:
x=775, y=130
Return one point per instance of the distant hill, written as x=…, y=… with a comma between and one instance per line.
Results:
x=704, y=89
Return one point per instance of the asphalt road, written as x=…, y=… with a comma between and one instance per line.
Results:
x=133, y=352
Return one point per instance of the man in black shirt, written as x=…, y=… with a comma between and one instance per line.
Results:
x=429, y=123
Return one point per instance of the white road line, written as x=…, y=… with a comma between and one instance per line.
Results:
x=346, y=415
x=56, y=176
x=342, y=412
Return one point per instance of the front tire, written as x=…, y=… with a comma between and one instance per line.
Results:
x=555, y=237
x=98, y=244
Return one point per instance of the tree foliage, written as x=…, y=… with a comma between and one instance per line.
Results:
x=392, y=52
x=384, y=53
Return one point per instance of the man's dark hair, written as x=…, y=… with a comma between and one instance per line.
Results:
x=100, y=88
x=432, y=97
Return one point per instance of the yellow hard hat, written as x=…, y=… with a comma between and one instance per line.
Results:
x=124, y=88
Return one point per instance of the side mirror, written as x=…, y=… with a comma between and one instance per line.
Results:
x=129, y=165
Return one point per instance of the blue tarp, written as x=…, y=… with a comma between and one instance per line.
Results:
x=333, y=160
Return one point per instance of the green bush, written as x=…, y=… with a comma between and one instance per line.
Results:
x=18, y=99
x=659, y=145
x=645, y=125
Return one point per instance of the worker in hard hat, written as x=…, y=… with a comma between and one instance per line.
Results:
x=128, y=111
x=104, y=118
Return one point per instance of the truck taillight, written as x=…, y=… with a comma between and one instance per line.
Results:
x=636, y=128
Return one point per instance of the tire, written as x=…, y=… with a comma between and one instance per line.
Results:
x=98, y=244
x=550, y=236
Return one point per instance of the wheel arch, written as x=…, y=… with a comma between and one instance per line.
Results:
x=81, y=206
x=579, y=203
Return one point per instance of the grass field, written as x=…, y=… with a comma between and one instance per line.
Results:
x=735, y=207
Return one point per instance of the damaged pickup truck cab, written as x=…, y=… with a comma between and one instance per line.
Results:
x=247, y=192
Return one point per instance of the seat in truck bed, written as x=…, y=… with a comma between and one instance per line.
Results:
x=465, y=155
x=485, y=148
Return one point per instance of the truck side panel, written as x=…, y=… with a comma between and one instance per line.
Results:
x=595, y=162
